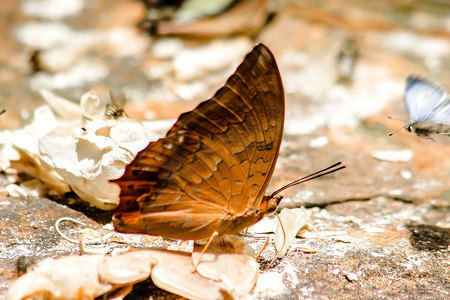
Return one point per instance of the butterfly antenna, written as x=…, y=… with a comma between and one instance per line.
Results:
x=391, y=118
x=314, y=175
x=392, y=133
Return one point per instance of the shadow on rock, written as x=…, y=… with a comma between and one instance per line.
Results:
x=429, y=237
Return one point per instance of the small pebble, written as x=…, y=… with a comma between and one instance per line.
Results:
x=318, y=142
x=350, y=276
x=373, y=230
x=108, y=226
x=406, y=174
x=393, y=155
x=396, y=192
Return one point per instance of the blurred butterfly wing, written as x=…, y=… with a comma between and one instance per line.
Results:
x=438, y=121
x=118, y=98
x=441, y=113
x=428, y=106
x=215, y=162
x=422, y=97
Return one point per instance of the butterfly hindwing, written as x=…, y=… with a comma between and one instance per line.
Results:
x=215, y=161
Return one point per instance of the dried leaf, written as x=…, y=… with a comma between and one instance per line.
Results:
x=230, y=261
x=293, y=221
x=87, y=277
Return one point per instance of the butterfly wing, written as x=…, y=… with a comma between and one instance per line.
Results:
x=422, y=97
x=438, y=121
x=215, y=162
x=428, y=106
x=441, y=113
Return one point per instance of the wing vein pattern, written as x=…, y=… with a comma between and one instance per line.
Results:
x=216, y=160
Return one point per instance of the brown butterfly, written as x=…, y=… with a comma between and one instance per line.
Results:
x=209, y=175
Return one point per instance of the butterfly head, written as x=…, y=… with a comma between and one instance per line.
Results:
x=409, y=127
x=269, y=204
x=421, y=132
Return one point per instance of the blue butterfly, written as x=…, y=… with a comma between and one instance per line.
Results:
x=428, y=106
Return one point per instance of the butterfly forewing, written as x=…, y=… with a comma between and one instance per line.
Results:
x=214, y=163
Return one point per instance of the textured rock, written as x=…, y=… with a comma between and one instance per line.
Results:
x=382, y=227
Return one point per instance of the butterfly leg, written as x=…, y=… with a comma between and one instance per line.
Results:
x=263, y=247
x=282, y=246
x=267, y=241
x=214, y=235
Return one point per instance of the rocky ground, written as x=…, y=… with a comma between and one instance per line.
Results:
x=382, y=224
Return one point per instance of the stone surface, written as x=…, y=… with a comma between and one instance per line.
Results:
x=28, y=229
x=382, y=227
